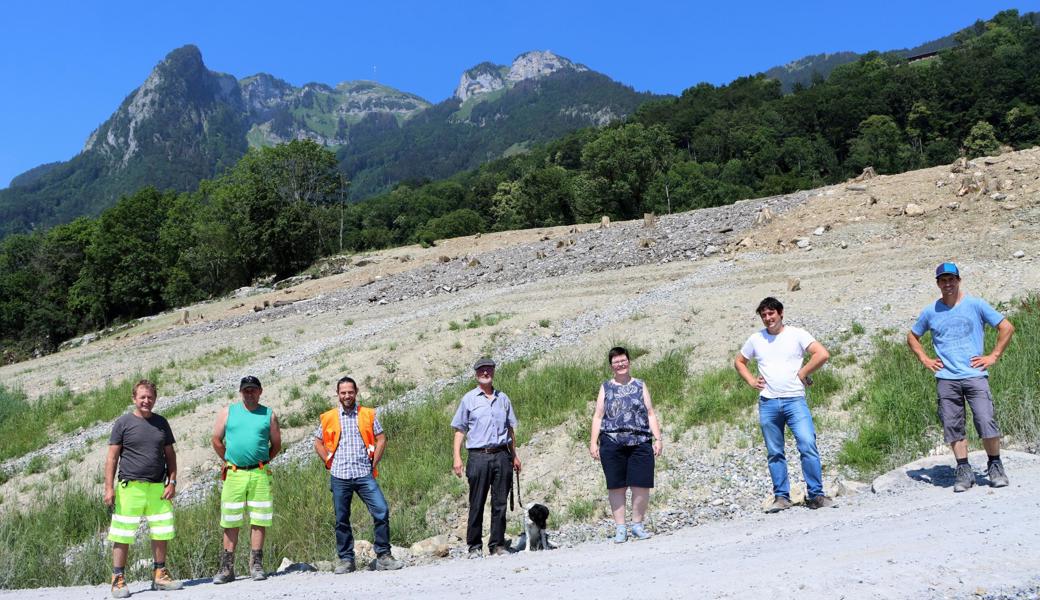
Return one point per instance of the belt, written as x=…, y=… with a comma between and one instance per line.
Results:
x=249, y=468
x=491, y=450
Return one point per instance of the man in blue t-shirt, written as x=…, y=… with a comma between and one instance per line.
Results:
x=961, y=369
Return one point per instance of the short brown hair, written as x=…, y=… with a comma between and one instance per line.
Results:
x=146, y=384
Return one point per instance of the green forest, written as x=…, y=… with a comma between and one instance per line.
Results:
x=279, y=209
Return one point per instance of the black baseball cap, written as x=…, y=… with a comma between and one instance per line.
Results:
x=249, y=382
x=484, y=362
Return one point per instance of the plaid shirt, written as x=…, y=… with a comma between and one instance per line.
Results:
x=351, y=458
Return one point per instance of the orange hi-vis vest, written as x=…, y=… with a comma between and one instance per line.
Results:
x=330, y=432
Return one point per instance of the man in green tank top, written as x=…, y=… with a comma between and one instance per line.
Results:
x=246, y=437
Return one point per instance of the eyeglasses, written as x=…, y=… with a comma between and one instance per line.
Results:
x=619, y=363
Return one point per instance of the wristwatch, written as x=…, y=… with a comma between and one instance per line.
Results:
x=171, y=482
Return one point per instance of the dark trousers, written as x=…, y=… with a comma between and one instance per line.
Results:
x=485, y=472
x=368, y=490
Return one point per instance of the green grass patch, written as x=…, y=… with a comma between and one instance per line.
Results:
x=721, y=396
x=313, y=406
x=226, y=356
x=581, y=509
x=899, y=420
x=27, y=426
x=37, y=464
x=479, y=320
x=36, y=541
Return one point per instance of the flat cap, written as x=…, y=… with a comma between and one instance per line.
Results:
x=484, y=362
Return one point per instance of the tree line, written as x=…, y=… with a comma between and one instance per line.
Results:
x=279, y=209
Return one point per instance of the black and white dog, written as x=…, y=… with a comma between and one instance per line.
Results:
x=535, y=535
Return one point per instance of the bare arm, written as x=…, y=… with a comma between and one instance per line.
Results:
x=817, y=356
x=741, y=364
x=380, y=448
x=1004, y=331
x=914, y=341
x=321, y=451
x=110, y=473
x=655, y=426
x=597, y=422
x=217, y=440
x=171, y=472
x=456, y=448
x=276, y=437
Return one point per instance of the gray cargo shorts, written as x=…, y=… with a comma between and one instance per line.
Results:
x=952, y=395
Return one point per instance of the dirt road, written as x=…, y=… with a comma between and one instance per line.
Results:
x=914, y=539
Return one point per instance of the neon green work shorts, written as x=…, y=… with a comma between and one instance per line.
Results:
x=136, y=499
x=246, y=489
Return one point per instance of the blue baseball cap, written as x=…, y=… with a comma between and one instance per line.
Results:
x=947, y=268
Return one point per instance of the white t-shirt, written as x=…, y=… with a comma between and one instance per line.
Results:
x=779, y=359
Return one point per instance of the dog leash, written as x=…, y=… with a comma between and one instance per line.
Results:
x=516, y=490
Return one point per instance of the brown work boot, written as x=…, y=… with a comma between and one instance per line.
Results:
x=226, y=572
x=779, y=503
x=820, y=501
x=119, y=589
x=164, y=582
x=256, y=565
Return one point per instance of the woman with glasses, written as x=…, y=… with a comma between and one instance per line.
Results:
x=626, y=437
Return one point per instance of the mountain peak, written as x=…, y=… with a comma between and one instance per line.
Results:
x=180, y=94
x=488, y=77
x=539, y=63
x=188, y=53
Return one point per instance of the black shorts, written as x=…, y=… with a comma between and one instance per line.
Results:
x=626, y=466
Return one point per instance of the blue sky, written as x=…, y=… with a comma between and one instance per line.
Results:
x=66, y=66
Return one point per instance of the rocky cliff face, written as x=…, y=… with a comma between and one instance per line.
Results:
x=180, y=102
x=487, y=77
x=481, y=79
x=539, y=63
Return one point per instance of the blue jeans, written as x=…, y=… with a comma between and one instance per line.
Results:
x=773, y=414
x=368, y=490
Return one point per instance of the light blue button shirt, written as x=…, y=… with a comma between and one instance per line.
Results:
x=485, y=421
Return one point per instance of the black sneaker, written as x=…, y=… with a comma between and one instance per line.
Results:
x=965, y=478
x=475, y=552
x=996, y=475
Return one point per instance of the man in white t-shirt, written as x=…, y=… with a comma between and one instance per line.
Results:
x=779, y=351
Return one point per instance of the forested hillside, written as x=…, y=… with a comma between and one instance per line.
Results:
x=280, y=208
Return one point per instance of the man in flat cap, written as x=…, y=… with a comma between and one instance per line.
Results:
x=486, y=420
x=246, y=437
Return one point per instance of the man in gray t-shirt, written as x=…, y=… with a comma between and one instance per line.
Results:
x=141, y=446
x=142, y=440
